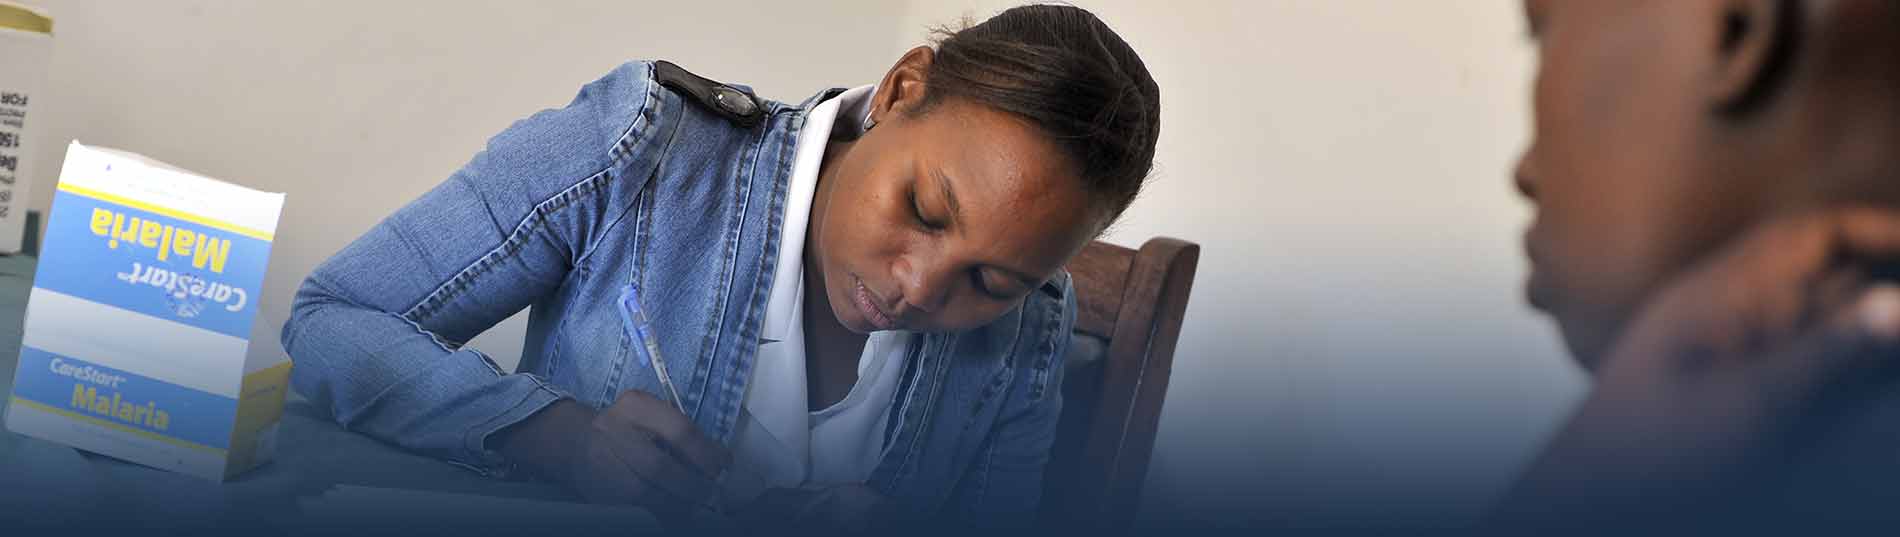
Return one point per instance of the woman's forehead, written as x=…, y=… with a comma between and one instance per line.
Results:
x=1015, y=195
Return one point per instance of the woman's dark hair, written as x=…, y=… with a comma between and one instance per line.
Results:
x=1068, y=73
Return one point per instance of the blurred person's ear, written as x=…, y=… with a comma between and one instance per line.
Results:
x=1752, y=47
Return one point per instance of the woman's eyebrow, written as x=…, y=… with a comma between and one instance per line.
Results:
x=949, y=198
x=956, y=212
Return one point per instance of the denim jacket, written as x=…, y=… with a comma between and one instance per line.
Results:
x=633, y=182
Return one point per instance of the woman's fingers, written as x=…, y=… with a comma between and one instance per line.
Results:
x=643, y=451
x=671, y=428
x=1802, y=247
x=1780, y=280
x=1868, y=231
x=658, y=467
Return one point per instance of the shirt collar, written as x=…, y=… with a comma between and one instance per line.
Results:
x=841, y=116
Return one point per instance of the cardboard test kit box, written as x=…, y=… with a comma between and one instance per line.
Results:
x=140, y=317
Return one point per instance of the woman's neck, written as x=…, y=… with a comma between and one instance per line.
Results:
x=831, y=349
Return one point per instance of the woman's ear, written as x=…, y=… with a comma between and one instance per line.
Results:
x=902, y=89
x=1754, y=41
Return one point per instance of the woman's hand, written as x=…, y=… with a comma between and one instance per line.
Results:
x=832, y=510
x=638, y=451
x=1697, y=400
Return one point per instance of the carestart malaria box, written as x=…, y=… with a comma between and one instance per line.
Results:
x=138, y=324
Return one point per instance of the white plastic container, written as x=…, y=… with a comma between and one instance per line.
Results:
x=26, y=49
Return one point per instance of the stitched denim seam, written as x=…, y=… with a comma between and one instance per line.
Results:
x=472, y=439
x=939, y=369
x=901, y=405
x=445, y=345
x=980, y=493
x=534, y=221
x=1001, y=384
x=1053, y=345
x=372, y=400
x=641, y=211
x=774, y=222
x=623, y=151
x=735, y=230
x=703, y=382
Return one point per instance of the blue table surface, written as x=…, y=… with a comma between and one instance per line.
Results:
x=50, y=485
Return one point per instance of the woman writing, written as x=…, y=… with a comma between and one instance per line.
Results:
x=859, y=300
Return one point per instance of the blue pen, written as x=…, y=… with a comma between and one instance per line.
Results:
x=642, y=334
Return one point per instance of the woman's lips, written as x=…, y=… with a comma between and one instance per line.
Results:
x=868, y=307
x=1536, y=283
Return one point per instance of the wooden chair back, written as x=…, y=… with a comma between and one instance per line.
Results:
x=1131, y=304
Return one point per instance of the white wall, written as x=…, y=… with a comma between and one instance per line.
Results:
x=1355, y=346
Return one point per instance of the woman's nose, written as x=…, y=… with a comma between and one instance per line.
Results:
x=927, y=284
x=1524, y=176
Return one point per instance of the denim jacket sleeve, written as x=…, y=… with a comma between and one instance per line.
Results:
x=377, y=330
x=1003, y=486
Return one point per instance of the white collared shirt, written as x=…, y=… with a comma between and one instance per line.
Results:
x=778, y=439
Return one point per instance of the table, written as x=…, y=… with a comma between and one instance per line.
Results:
x=50, y=486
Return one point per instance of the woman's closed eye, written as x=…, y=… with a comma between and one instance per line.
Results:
x=917, y=212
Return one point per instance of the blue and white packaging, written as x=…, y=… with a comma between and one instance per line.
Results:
x=138, y=325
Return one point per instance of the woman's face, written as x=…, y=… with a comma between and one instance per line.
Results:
x=945, y=220
x=1629, y=183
